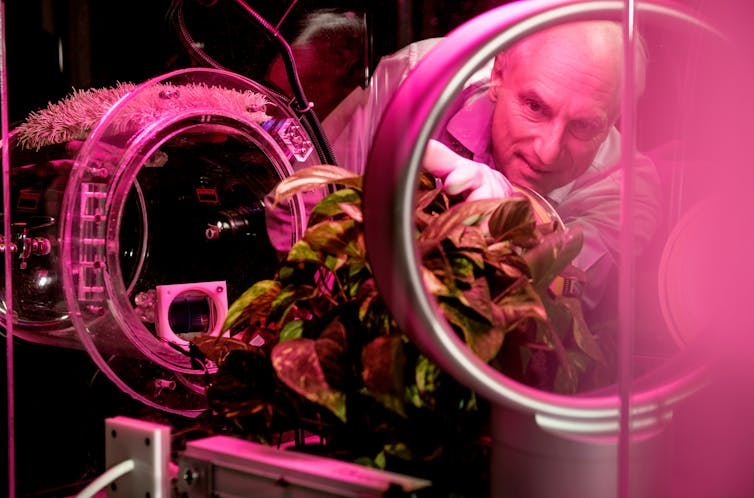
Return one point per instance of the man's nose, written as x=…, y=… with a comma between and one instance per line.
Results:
x=549, y=143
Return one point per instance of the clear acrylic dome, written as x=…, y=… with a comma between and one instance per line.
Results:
x=147, y=225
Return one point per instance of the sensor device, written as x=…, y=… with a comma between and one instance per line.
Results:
x=185, y=310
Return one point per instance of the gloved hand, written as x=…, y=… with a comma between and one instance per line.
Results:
x=460, y=175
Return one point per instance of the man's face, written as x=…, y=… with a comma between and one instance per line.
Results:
x=554, y=107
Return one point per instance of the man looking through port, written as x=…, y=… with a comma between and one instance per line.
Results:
x=544, y=117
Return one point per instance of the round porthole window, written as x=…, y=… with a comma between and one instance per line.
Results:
x=138, y=224
x=574, y=436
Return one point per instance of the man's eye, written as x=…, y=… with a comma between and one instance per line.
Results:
x=585, y=129
x=534, y=105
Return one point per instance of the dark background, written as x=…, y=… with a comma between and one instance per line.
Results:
x=55, y=46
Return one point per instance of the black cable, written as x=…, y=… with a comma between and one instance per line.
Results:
x=301, y=106
x=285, y=15
x=176, y=13
x=304, y=107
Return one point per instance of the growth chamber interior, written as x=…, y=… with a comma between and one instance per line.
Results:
x=139, y=212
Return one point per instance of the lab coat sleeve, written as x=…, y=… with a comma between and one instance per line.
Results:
x=596, y=207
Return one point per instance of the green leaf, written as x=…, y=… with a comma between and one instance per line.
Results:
x=470, y=238
x=297, y=365
x=216, y=348
x=333, y=262
x=463, y=269
x=483, y=339
x=552, y=336
x=455, y=219
x=352, y=210
x=287, y=300
x=331, y=236
x=344, y=201
x=302, y=252
x=514, y=268
x=383, y=361
x=358, y=269
x=366, y=299
x=554, y=253
x=513, y=220
x=292, y=330
x=433, y=283
x=356, y=247
x=314, y=177
x=477, y=297
x=425, y=198
x=257, y=297
x=559, y=317
x=393, y=402
x=286, y=272
x=400, y=450
x=426, y=375
x=581, y=334
x=566, y=380
x=522, y=306
x=381, y=460
x=331, y=347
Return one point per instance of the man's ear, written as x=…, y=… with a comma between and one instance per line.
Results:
x=496, y=76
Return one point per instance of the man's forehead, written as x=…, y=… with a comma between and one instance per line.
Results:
x=553, y=77
x=572, y=68
x=588, y=43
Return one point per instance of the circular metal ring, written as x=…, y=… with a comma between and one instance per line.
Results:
x=391, y=174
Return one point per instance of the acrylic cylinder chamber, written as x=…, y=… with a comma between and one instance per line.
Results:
x=163, y=189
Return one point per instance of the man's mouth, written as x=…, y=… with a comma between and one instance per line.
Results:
x=533, y=166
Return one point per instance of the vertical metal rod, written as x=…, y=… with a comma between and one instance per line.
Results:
x=7, y=255
x=626, y=296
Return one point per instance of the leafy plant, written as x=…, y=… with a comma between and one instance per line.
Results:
x=332, y=359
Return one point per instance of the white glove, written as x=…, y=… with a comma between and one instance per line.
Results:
x=459, y=174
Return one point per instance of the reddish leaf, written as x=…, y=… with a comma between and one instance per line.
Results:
x=296, y=364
